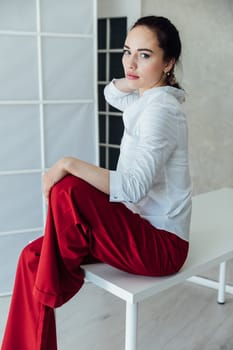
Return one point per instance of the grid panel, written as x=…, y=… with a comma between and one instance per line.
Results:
x=27, y=120
x=47, y=106
x=18, y=15
x=65, y=61
x=23, y=70
x=111, y=36
x=20, y=202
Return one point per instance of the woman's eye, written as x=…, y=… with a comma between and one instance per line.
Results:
x=144, y=55
x=126, y=52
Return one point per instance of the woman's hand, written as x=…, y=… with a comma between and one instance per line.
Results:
x=52, y=176
x=94, y=175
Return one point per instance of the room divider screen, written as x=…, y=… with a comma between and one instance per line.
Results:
x=48, y=109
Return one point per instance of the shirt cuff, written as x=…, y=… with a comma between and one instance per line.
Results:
x=116, y=187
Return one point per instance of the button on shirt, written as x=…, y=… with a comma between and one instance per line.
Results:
x=152, y=175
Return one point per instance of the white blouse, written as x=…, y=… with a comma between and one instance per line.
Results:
x=152, y=176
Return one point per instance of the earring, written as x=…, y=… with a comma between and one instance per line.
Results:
x=168, y=74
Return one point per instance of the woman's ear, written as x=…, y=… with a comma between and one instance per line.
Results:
x=169, y=65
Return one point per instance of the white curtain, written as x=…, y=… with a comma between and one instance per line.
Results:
x=47, y=109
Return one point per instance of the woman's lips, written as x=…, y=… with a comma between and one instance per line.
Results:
x=132, y=76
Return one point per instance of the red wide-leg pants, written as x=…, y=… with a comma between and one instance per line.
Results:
x=82, y=226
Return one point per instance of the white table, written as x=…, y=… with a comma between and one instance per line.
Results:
x=211, y=243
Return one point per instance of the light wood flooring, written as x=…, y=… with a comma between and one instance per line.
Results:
x=185, y=317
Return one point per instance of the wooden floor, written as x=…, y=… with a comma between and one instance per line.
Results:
x=185, y=317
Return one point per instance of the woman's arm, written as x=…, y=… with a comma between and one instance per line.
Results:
x=123, y=85
x=119, y=94
x=94, y=175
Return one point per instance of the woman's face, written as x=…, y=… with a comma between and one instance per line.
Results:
x=143, y=61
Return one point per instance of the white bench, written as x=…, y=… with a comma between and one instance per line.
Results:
x=211, y=243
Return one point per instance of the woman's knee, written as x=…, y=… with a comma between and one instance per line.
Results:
x=69, y=185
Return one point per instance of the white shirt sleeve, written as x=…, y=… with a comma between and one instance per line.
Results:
x=151, y=149
x=118, y=99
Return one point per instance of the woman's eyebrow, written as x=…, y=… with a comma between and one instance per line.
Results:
x=145, y=49
x=142, y=49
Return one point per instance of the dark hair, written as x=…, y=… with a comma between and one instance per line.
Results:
x=168, y=38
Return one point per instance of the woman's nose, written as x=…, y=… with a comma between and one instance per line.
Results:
x=132, y=64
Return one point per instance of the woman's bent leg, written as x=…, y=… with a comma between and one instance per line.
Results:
x=81, y=223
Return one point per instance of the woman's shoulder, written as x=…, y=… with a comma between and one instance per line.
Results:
x=164, y=95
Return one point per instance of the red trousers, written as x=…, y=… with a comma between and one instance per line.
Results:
x=82, y=227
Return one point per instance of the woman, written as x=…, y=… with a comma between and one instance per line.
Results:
x=135, y=218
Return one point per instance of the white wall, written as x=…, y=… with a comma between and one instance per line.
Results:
x=120, y=8
x=206, y=29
